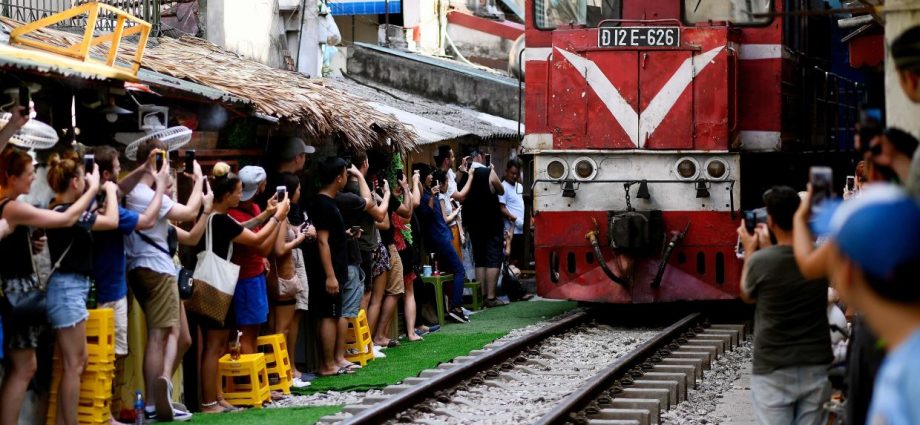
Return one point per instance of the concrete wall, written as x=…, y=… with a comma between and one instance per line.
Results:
x=447, y=83
x=480, y=47
x=362, y=28
x=900, y=111
x=250, y=28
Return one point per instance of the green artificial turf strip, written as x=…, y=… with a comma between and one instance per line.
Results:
x=452, y=341
x=285, y=416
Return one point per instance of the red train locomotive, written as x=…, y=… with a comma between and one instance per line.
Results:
x=651, y=125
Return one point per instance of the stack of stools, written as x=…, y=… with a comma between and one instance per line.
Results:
x=244, y=380
x=277, y=361
x=358, y=344
x=96, y=382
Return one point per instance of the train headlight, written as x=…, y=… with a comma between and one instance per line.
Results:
x=557, y=169
x=716, y=169
x=585, y=168
x=687, y=168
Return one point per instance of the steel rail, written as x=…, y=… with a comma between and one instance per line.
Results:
x=605, y=379
x=417, y=393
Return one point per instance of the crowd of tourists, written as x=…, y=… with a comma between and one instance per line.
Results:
x=359, y=243
x=814, y=258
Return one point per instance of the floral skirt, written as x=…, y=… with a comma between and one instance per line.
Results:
x=381, y=260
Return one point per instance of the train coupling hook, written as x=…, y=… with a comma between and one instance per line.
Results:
x=675, y=239
x=593, y=237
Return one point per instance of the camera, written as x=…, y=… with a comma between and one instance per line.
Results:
x=754, y=217
x=488, y=159
x=281, y=191
x=399, y=175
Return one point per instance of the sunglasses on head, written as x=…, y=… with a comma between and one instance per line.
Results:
x=875, y=149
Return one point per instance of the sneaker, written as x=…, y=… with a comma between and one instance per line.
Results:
x=163, y=399
x=150, y=417
x=181, y=415
x=457, y=315
x=298, y=382
x=378, y=354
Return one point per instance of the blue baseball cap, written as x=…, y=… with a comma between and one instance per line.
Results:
x=879, y=230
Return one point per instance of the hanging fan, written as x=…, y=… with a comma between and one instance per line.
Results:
x=174, y=137
x=33, y=135
x=152, y=120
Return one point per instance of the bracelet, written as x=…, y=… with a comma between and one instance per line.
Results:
x=276, y=219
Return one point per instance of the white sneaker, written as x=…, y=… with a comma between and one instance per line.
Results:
x=299, y=383
x=378, y=354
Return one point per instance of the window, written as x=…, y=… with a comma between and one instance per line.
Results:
x=549, y=14
x=739, y=12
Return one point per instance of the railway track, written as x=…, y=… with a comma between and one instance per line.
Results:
x=568, y=372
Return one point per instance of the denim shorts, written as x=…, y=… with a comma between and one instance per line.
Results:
x=250, y=301
x=67, y=293
x=353, y=292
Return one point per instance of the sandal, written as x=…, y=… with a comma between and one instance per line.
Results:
x=393, y=343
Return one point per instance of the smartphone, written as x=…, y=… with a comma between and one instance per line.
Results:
x=189, y=161
x=739, y=250
x=399, y=175
x=355, y=230
x=380, y=180
x=851, y=183
x=435, y=183
x=822, y=181
x=38, y=233
x=25, y=98
x=488, y=159
x=281, y=191
x=468, y=159
x=88, y=161
x=160, y=158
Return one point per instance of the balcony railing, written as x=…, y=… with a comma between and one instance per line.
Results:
x=32, y=10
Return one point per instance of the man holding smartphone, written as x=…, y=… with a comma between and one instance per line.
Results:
x=792, y=346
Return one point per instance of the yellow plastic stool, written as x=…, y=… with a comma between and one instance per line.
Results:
x=277, y=362
x=245, y=380
x=95, y=397
x=475, y=289
x=358, y=340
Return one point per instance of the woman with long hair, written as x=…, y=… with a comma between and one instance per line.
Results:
x=223, y=231
x=285, y=315
x=17, y=272
x=72, y=265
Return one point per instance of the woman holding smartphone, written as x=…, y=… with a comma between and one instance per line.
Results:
x=286, y=315
x=72, y=265
x=17, y=272
x=224, y=231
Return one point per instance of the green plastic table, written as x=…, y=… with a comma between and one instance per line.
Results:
x=438, y=283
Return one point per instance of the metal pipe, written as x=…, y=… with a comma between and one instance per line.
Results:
x=667, y=256
x=521, y=91
x=592, y=237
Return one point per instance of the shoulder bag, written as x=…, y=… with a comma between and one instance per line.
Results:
x=215, y=279
x=183, y=275
x=29, y=302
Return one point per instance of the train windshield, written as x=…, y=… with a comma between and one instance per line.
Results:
x=549, y=14
x=739, y=12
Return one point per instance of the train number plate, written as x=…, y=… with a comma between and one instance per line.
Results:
x=638, y=37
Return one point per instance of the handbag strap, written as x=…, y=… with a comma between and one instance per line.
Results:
x=152, y=243
x=208, y=245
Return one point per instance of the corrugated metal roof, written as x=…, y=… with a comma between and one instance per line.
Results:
x=23, y=64
x=428, y=131
x=154, y=78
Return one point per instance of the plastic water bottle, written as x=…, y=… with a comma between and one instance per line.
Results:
x=138, y=408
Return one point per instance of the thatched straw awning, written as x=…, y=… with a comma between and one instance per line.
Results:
x=319, y=110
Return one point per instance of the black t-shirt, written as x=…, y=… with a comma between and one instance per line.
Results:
x=326, y=216
x=224, y=229
x=790, y=318
x=482, y=213
x=387, y=236
x=358, y=217
x=351, y=206
x=79, y=237
x=14, y=250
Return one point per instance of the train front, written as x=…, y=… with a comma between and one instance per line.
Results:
x=630, y=115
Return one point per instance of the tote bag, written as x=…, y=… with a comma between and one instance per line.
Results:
x=215, y=281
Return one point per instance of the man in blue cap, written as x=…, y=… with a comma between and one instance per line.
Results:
x=874, y=262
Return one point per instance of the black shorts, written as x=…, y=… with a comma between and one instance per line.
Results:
x=322, y=303
x=517, y=248
x=367, y=266
x=487, y=249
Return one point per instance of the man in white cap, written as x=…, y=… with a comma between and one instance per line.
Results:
x=250, y=299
